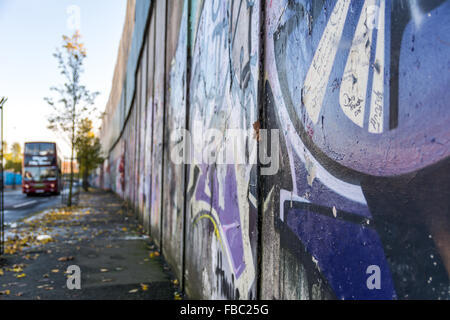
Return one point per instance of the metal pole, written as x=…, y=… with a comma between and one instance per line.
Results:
x=3, y=192
x=2, y=185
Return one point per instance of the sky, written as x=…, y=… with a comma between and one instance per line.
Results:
x=30, y=32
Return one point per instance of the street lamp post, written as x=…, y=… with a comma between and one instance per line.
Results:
x=2, y=222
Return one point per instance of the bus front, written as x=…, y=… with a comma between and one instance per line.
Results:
x=40, y=170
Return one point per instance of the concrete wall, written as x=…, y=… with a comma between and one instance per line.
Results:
x=357, y=94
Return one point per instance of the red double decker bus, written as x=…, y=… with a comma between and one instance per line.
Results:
x=41, y=168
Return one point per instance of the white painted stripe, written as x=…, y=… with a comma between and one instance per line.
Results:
x=286, y=195
x=295, y=144
x=319, y=72
x=377, y=96
x=24, y=204
x=345, y=189
x=352, y=97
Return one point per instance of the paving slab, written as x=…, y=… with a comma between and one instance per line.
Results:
x=101, y=237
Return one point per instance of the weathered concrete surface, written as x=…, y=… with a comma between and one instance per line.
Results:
x=221, y=212
x=345, y=86
x=358, y=91
x=175, y=119
x=113, y=117
x=102, y=239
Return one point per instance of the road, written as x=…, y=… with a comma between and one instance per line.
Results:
x=19, y=206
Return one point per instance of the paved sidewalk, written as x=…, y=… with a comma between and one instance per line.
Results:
x=116, y=259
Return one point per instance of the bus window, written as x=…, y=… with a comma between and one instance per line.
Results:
x=48, y=174
x=46, y=149
x=39, y=174
x=40, y=149
x=32, y=149
x=32, y=173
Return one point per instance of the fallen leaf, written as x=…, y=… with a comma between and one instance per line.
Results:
x=55, y=270
x=17, y=269
x=144, y=287
x=154, y=254
x=103, y=270
x=45, y=238
x=5, y=292
x=175, y=282
x=22, y=275
x=133, y=291
x=65, y=258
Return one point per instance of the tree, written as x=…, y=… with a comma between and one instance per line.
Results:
x=74, y=101
x=88, y=149
x=14, y=160
x=4, y=150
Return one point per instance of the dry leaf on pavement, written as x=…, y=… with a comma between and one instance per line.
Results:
x=144, y=287
x=65, y=258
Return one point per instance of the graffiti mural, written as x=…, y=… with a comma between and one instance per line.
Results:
x=222, y=198
x=357, y=92
x=175, y=119
x=150, y=43
x=363, y=143
x=157, y=122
